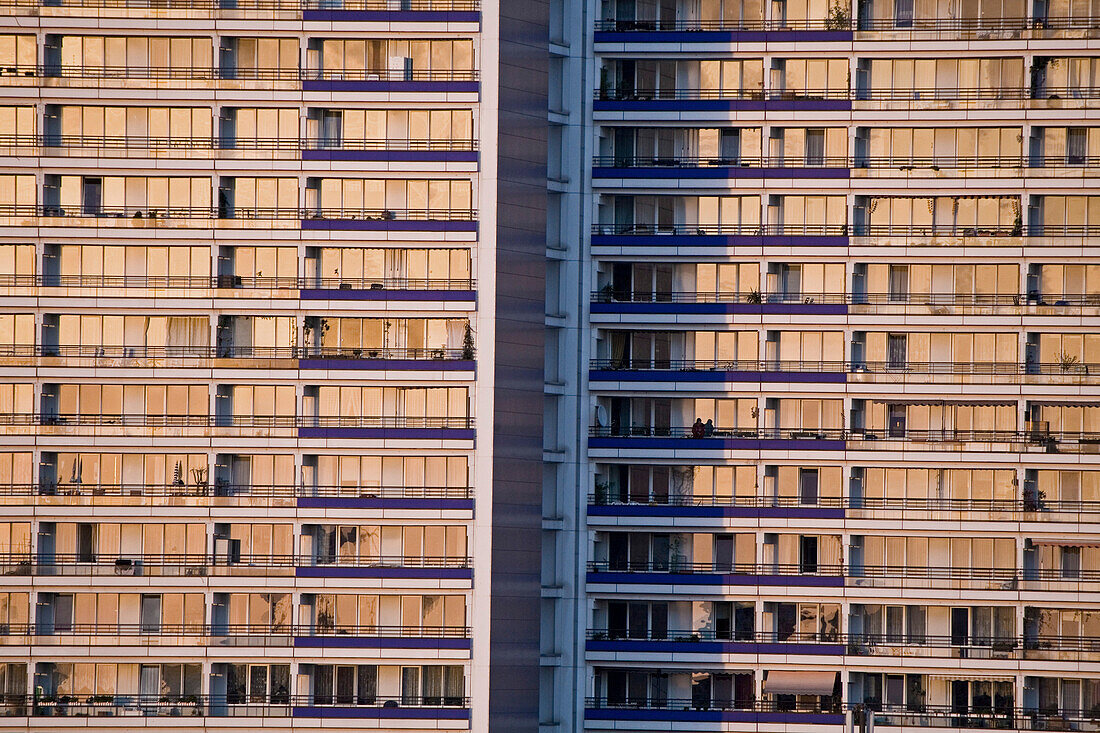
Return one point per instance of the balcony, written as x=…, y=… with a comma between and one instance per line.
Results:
x=286, y=636
x=205, y=217
x=840, y=27
x=225, y=356
x=216, y=147
x=383, y=10
x=673, y=371
x=181, y=565
x=719, y=235
x=608, y=300
x=250, y=706
x=367, y=79
x=642, y=437
x=692, y=710
x=638, y=99
x=241, y=286
x=606, y=502
x=822, y=166
x=931, y=646
x=224, y=493
x=683, y=572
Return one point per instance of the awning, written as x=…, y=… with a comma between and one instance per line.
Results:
x=800, y=683
x=1066, y=543
x=965, y=677
x=1067, y=402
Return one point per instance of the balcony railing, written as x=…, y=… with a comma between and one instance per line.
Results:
x=152, y=213
x=100, y=144
x=640, y=94
x=896, y=367
x=244, y=5
x=858, y=230
x=218, y=74
x=912, y=25
x=234, y=352
x=920, y=645
x=859, y=575
x=242, y=282
x=1014, y=440
x=1033, y=508
x=752, y=297
x=742, y=230
x=714, y=704
x=934, y=162
x=236, y=421
x=223, y=489
x=244, y=706
x=992, y=716
x=202, y=564
x=202, y=634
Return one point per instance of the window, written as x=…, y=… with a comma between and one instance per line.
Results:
x=815, y=147
x=896, y=351
x=1076, y=146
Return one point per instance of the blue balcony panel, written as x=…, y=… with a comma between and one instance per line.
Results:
x=383, y=294
x=390, y=364
x=338, y=571
x=396, y=156
x=703, y=512
x=337, y=711
x=719, y=172
x=647, y=375
x=713, y=716
x=712, y=647
x=756, y=444
x=382, y=642
x=616, y=578
x=717, y=309
x=719, y=240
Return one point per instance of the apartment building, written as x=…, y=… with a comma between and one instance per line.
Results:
x=271, y=364
x=830, y=456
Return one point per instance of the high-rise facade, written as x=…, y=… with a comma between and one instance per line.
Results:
x=829, y=453
x=271, y=306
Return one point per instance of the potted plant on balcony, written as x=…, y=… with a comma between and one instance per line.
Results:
x=467, y=343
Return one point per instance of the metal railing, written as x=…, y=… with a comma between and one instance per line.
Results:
x=223, y=489
x=234, y=421
x=73, y=144
x=206, y=282
x=894, y=367
x=743, y=230
x=859, y=230
x=219, y=74
x=1035, y=437
x=918, y=715
x=930, y=645
x=242, y=705
x=1003, y=578
x=235, y=352
x=912, y=25
x=152, y=213
x=273, y=634
x=204, y=564
x=411, y=6
x=749, y=297
x=933, y=162
x=1035, y=508
x=901, y=94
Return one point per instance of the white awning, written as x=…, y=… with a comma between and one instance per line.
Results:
x=1066, y=543
x=966, y=677
x=800, y=683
